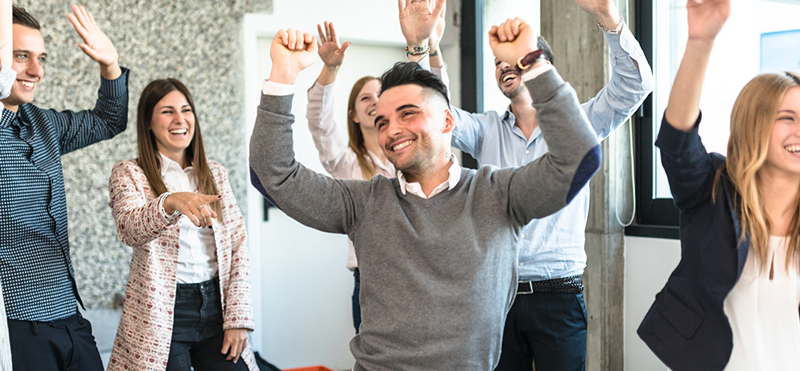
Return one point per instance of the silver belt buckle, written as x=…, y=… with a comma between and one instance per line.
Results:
x=524, y=287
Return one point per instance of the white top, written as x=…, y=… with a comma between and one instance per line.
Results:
x=335, y=154
x=197, y=256
x=763, y=314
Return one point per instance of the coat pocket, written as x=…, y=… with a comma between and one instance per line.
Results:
x=680, y=315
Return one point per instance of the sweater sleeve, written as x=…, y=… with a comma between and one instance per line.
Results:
x=314, y=200
x=549, y=183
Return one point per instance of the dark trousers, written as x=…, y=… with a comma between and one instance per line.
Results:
x=357, y=300
x=547, y=329
x=64, y=344
x=197, y=333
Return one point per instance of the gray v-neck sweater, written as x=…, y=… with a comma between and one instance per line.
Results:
x=438, y=275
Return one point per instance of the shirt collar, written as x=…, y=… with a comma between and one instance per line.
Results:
x=451, y=182
x=168, y=165
x=8, y=118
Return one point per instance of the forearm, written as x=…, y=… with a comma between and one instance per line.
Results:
x=328, y=75
x=683, y=107
x=549, y=183
x=334, y=153
x=6, y=37
x=138, y=220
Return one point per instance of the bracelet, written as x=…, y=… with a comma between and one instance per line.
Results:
x=418, y=51
x=163, y=211
x=617, y=30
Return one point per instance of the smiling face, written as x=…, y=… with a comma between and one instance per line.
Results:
x=508, y=79
x=172, y=125
x=783, y=151
x=363, y=113
x=29, y=56
x=414, y=127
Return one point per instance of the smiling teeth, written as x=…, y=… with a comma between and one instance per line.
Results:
x=401, y=145
x=508, y=77
x=794, y=148
x=178, y=131
x=371, y=113
x=26, y=84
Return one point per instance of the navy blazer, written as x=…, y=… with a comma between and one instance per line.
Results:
x=686, y=326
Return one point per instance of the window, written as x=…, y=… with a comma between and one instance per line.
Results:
x=759, y=36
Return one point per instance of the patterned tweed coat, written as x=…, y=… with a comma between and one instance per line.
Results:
x=145, y=330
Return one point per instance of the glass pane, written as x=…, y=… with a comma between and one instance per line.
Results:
x=759, y=36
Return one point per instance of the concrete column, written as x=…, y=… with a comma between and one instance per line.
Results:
x=581, y=56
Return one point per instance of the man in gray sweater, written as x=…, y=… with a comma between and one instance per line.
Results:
x=437, y=244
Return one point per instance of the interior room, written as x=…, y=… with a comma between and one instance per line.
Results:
x=301, y=288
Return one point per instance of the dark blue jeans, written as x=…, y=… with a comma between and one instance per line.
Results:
x=356, y=300
x=548, y=329
x=197, y=333
x=64, y=344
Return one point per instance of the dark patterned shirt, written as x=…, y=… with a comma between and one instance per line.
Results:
x=35, y=266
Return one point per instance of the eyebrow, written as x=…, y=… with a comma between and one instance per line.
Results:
x=787, y=111
x=409, y=105
x=171, y=107
x=30, y=52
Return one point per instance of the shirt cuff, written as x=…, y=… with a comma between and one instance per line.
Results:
x=275, y=88
x=536, y=72
x=7, y=79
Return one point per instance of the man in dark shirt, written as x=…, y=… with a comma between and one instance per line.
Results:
x=40, y=294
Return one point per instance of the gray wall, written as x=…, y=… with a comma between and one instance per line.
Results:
x=155, y=39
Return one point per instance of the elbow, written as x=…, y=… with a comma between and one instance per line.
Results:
x=587, y=167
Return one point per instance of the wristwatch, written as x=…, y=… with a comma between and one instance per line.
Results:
x=528, y=60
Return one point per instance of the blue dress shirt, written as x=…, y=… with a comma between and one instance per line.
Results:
x=35, y=267
x=553, y=247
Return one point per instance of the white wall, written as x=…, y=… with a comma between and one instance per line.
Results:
x=302, y=289
x=648, y=264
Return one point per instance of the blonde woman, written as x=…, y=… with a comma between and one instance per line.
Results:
x=187, y=302
x=732, y=303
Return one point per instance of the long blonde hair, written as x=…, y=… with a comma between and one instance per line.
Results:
x=354, y=130
x=150, y=160
x=752, y=118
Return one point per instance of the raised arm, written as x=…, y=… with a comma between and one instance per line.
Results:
x=310, y=198
x=689, y=167
x=334, y=154
x=547, y=184
x=706, y=18
x=631, y=77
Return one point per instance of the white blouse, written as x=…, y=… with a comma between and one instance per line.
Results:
x=197, y=256
x=763, y=313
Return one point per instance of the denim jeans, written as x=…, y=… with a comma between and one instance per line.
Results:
x=197, y=333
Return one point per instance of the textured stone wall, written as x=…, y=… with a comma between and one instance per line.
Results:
x=198, y=42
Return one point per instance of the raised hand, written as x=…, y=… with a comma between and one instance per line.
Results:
x=330, y=51
x=95, y=43
x=438, y=32
x=706, y=18
x=604, y=11
x=512, y=40
x=193, y=205
x=418, y=19
x=291, y=52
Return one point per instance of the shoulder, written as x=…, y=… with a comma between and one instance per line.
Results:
x=127, y=168
x=216, y=167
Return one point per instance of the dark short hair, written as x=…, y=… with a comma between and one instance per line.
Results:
x=22, y=17
x=404, y=73
x=542, y=44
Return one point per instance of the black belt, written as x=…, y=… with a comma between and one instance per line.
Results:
x=567, y=285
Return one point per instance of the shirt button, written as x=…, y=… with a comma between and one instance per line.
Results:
x=527, y=152
x=522, y=235
x=521, y=264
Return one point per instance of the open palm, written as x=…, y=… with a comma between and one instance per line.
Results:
x=95, y=43
x=706, y=17
x=331, y=53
